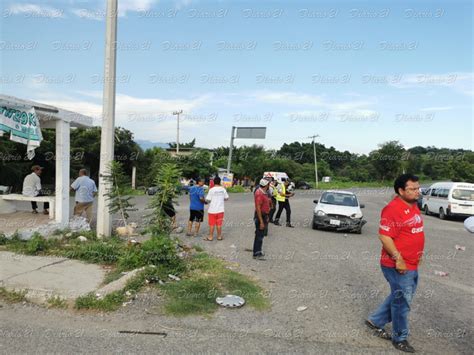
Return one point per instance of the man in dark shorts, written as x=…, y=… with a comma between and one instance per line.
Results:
x=168, y=208
x=196, y=207
x=403, y=239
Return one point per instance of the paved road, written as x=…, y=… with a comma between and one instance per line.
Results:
x=335, y=275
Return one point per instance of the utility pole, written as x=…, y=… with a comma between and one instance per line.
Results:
x=315, y=160
x=104, y=219
x=177, y=113
x=230, y=149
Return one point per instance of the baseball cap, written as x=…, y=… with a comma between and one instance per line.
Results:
x=36, y=167
x=264, y=182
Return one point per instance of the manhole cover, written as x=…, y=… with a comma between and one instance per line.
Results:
x=230, y=301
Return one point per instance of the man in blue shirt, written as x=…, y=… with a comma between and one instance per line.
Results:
x=197, y=201
x=85, y=190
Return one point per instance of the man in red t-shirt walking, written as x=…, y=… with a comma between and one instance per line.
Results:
x=403, y=239
x=262, y=210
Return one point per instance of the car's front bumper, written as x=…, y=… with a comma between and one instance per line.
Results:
x=338, y=222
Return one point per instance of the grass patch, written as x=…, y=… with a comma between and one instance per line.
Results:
x=206, y=279
x=159, y=250
x=192, y=296
x=111, y=302
x=203, y=278
x=335, y=184
x=112, y=276
x=338, y=184
x=3, y=239
x=198, y=248
x=98, y=252
x=12, y=296
x=236, y=189
x=56, y=302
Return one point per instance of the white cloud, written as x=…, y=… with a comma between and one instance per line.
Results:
x=288, y=98
x=180, y=4
x=97, y=15
x=33, y=10
x=459, y=81
x=359, y=107
x=440, y=108
x=125, y=6
x=147, y=118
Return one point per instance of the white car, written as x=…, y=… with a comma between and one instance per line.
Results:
x=338, y=210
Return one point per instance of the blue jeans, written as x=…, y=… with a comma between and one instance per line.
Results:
x=396, y=306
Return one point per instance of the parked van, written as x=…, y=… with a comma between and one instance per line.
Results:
x=449, y=199
x=276, y=175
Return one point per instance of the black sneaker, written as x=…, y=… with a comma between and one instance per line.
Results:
x=277, y=223
x=289, y=225
x=378, y=332
x=404, y=346
x=260, y=257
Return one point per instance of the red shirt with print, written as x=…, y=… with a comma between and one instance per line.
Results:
x=403, y=223
x=262, y=200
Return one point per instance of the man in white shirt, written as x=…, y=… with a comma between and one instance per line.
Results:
x=32, y=188
x=216, y=197
x=85, y=190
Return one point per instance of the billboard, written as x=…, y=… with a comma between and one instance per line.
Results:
x=23, y=126
x=251, y=132
x=226, y=179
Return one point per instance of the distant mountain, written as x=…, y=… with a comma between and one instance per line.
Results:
x=144, y=144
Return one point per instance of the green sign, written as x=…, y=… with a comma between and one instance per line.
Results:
x=23, y=126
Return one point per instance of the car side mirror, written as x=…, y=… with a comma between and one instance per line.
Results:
x=315, y=201
x=362, y=205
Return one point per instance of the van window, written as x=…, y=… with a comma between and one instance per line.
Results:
x=443, y=193
x=434, y=192
x=464, y=195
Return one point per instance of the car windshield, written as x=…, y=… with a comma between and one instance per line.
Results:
x=333, y=198
x=465, y=195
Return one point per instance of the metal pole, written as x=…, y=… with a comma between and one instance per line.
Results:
x=315, y=160
x=104, y=219
x=177, y=113
x=315, y=163
x=177, y=137
x=230, y=149
x=134, y=177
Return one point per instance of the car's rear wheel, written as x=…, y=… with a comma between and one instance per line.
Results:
x=442, y=215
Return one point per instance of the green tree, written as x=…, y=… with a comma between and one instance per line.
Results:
x=167, y=182
x=117, y=199
x=191, y=144
x=387, y=160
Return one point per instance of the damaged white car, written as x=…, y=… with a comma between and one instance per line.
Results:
x=338, y=210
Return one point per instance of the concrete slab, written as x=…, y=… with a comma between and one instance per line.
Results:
x=44, y=277
x=118, y=284
x=10, y=222
x=13, y=264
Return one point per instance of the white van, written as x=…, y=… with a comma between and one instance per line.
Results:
x=449, y=199
x=276, y=175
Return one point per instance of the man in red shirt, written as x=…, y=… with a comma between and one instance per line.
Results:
x=262, y=210
x=403, y=239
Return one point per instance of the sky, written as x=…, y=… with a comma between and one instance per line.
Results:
x=356, y=73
